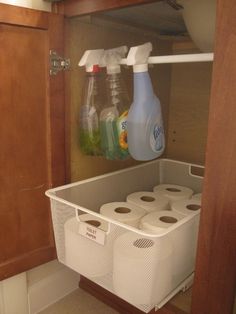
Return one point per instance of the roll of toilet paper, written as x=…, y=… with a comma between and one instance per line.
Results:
x=142, y=273
x=190, y=207
x=157, y=222
x=197, y=196
x=83, y=255
x=123, y=212
x=173, y=192
x=149, y=201
x=182, y=239
x=186, y=207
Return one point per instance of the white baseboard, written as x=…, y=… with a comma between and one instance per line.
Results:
x=51, y=288
x=13, y=295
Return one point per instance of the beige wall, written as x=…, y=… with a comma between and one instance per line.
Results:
x=184, y=91
x=188, y=112
x=85, y=35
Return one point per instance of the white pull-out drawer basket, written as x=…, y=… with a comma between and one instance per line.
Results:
x=146, y=269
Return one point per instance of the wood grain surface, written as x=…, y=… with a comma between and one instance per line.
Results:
x=73, y=8
x=215, y=280
x=32, y=154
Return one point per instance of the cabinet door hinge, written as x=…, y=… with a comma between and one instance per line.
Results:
x=58, y=63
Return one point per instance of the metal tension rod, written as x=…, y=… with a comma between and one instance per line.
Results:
x=196, y=57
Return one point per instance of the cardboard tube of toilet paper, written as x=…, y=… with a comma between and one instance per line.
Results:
x=142, y=272
x=149, y=201
x=158, y=222
x=94, y=221
x=123, y=212
x=84, y=255
x=173, y=192
x=186, y=207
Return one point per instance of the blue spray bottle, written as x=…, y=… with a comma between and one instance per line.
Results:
x=146, y=139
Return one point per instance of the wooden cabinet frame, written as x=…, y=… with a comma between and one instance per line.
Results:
x=72, y=8
x=215, y=276
x=215, y=280
x=53, y=25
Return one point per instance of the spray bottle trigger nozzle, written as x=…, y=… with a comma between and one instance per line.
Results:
x=139, y=54
x=91, y=58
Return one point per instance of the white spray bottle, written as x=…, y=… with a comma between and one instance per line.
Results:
x=113, y=117
x=146, y=139
x=92, y=101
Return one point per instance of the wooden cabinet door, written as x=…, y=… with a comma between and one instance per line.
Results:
x=32, y=154
x=215, y=277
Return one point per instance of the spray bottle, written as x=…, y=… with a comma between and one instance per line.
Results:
x=144, y=124
x=113, y=117
x=90, y=138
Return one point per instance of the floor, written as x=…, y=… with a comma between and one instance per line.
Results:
x=79, y=302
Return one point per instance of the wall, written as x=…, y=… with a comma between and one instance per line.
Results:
x=32, y=4
x=189, y=104
x=90, y=34
x=184, y=91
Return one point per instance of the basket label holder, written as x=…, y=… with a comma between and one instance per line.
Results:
x=91, y=232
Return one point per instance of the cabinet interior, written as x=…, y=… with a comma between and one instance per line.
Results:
x=183, y=90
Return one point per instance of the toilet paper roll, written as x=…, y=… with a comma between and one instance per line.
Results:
x=173, y=192
x=158, y=221
x=186, y=207
x=123, y=212
x=142, y=272
x=149, y=201
x=197, y=196
x=84, y=255
x=190, y=207
x=182, y=239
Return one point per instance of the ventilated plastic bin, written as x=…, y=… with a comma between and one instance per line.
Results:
x=144, y=269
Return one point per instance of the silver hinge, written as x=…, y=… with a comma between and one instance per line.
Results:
x=58, y=63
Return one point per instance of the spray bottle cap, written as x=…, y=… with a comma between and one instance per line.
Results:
x=112, y=57
x=90, y=59
x=138, y=57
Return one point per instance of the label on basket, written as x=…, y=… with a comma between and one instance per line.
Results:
x=92, y=233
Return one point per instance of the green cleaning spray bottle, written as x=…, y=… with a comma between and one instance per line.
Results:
x=113, y=116
x=92, y=102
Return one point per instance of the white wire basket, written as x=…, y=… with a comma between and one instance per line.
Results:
x=143, y=268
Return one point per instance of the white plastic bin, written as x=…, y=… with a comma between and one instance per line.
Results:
x=136, y=265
